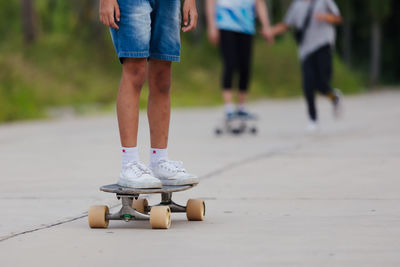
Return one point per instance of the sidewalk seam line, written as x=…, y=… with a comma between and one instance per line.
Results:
x=221, y=170
x=47, y=226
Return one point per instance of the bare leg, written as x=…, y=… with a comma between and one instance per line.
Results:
x=159, y=105
x=227, y=96
x=133, y=78
x=243, y=98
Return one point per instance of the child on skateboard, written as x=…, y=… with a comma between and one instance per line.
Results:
x=146, y=37
x=231, y=24
x=314, y=21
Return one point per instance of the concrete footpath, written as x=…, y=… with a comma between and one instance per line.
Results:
x=281, y=198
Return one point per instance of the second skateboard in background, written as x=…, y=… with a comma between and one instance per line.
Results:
x=238, y=125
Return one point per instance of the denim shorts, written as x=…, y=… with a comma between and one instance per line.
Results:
x=148, y=29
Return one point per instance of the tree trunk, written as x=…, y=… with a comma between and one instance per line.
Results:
x=375, y=52
x=28, y=21
x=270, y=11
x=346, y=42
x=96, y=25
x=201, y=22
x=285, y=4
x=89, y=15
x=347, y=31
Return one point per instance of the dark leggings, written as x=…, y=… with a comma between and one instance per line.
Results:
x=317, y=74
x=236, y=50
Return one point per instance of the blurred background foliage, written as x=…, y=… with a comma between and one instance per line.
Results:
x=55, y=53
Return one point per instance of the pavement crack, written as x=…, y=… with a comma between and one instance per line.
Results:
x=47, y=226
x=211, y=174
x=248, y=160
x=43, y=227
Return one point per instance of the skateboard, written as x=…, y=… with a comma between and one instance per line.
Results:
x=135, y=208
x=238, y=125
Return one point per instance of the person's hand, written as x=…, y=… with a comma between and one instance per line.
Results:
x=109, y=9
x=328, y=18
x=213, y=35
x=268, y=34
x=323, y=17
x=189, y=15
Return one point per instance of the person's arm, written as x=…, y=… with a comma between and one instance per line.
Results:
x=288, y=21
x=189, y=15
x=332, y=14
x=262, y=14
x=280, y=28
x=109, y=9
x=212, y=29
x=329, y=18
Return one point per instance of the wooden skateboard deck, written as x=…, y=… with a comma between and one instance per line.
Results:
x=121, y=190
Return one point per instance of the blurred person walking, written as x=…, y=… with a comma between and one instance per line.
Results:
x=231, y=24
x=313, y=24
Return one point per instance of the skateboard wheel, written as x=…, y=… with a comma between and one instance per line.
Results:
x=195, y=210
x=97, y=216
x=140, y=205
x=218, y=131
x=236, y=131
x=160, y=217
x=253, y=130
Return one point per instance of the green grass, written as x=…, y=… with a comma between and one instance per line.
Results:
x=58, y=71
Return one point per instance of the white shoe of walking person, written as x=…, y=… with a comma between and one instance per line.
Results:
x=337, y=103
x=136, y=175
x=172, y=173
x=312, y=127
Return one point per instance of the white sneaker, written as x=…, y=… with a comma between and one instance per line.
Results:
x=171, y=173
x=337, y=104
x=137, y=175
x=312, y=127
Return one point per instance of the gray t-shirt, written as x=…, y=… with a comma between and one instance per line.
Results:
x=318, y=33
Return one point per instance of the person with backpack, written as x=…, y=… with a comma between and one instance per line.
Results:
x=313, y=23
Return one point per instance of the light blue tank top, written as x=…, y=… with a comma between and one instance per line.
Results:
x=236, y=15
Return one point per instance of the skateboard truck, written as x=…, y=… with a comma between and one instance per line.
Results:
x=126, y=212
x=135, y=208
x=166, y=200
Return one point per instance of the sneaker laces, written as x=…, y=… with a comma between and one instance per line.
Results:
x=171, y=165
x=138, y=168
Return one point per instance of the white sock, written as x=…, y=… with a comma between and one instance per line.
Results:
x=156, y=155
x=129, y=154
x=229, y=108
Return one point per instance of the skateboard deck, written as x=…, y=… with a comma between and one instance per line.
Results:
x=135, y=208
x=121, y=190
